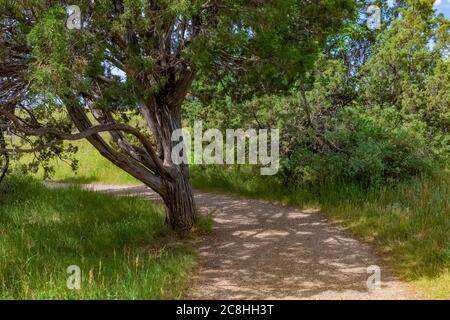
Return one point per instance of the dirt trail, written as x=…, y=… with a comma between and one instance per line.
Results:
x=260, y=250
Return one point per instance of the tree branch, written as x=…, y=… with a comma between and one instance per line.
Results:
x=40, y=131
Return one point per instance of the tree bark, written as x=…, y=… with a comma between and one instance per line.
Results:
x=179, y=200
x=5, y=162
x=171, y=181
x=163, y=119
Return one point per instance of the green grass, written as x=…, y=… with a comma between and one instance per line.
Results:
x=122, y=245
x=93, y=168
x=408, y=223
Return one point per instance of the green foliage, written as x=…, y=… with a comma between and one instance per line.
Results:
x=371, y=148
x=130, y=53
x=409, y=67
x=256, y=35
x=49, y=39
x=387, y=120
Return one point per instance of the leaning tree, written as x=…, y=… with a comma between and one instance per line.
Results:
x=139, y=57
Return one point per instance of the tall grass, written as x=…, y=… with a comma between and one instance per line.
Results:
x=122, y=245
x=409, y=223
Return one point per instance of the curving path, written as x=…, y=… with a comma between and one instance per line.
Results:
x=260, y=250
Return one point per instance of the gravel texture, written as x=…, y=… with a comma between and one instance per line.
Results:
x=259, y=250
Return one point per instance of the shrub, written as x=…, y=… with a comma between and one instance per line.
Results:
x=370, y=147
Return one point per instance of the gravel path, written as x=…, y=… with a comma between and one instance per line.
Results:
x=262, y=251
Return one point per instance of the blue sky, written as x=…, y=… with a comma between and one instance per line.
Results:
x=443, y=6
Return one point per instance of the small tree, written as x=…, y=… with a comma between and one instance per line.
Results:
x=142, y=57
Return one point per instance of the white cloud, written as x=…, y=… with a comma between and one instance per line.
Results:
x=438, y=3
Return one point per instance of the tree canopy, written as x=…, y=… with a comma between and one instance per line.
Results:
x=142, y=57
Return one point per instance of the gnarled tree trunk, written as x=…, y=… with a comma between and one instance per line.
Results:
x=170, y=180
x=179, y=200
x=163, y=119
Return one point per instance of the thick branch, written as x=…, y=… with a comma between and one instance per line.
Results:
x=87, y=133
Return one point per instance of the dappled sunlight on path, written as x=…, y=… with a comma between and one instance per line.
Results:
x=259, y=250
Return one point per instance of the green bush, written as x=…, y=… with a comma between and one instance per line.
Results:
x=369, y=148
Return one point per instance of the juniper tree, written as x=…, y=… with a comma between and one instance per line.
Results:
x=137, y=57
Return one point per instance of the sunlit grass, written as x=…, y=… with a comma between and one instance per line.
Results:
x=93, y=168
x=122, y=245
x=409, y=223
x=434, y=287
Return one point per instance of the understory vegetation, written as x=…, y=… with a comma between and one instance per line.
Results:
x=123, y=246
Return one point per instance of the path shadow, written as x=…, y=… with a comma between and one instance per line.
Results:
x=265, y=251
x=259, y=250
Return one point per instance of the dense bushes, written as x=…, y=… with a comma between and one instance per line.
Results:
x=370, y=148
x=384, y=120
